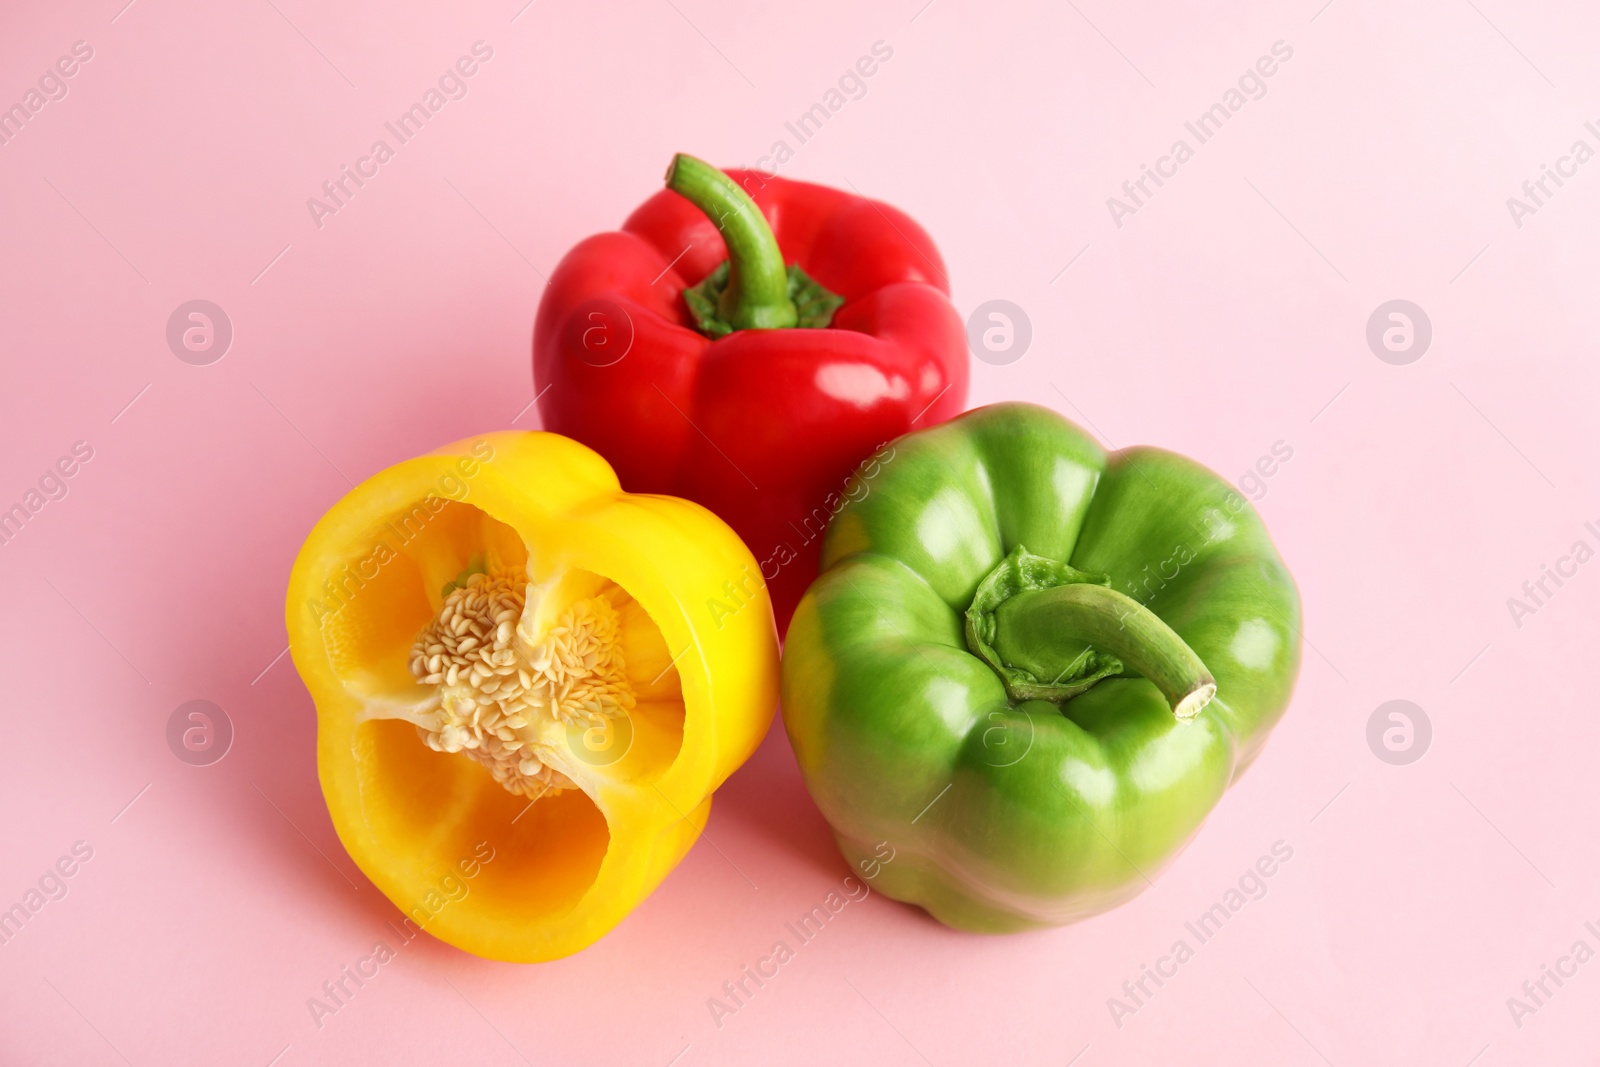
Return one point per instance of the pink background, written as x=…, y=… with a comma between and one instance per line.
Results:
x=1227, y=315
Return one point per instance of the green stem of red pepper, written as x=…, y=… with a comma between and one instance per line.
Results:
x=1030, y=628
x=757, y=296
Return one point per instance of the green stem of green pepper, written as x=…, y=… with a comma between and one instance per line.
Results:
x=757, y=296
x=1029, y=624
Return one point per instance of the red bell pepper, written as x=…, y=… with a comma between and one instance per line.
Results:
x=754, y=388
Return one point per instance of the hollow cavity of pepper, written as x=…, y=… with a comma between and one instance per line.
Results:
x=502, y=679
x=480, y=669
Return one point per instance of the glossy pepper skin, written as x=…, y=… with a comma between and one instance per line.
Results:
x=1008, y=811
x=762, y=425
x=471, y=863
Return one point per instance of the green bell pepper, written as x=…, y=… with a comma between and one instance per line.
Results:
x=1033, y=667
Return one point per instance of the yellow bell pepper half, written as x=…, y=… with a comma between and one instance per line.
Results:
x=528, y=684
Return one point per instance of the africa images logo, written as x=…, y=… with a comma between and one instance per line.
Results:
x=52, y=86
x=1252, y=85
x=452, y=85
